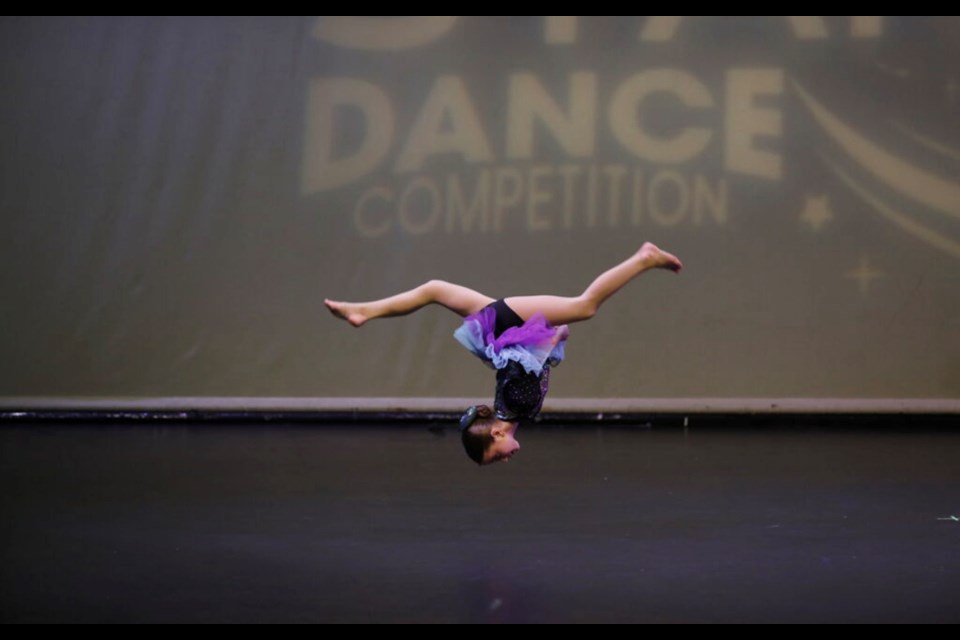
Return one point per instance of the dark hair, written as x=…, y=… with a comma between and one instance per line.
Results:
x=477, y=437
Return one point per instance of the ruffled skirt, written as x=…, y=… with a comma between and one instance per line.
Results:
x=533, y=345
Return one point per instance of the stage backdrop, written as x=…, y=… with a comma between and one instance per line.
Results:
x=180, y=194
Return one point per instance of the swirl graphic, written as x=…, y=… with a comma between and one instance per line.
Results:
x=919, y=186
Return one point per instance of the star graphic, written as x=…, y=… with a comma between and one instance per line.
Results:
x=864, y=274
x=817, y=212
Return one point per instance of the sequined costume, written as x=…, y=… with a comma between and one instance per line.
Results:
x=521, y=352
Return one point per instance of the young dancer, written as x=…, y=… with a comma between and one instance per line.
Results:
x=521, y=337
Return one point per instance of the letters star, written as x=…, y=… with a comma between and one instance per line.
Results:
x=817, y=212
x=864, y=274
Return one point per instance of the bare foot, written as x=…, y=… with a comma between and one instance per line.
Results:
x=658, y=259
x=346, y=311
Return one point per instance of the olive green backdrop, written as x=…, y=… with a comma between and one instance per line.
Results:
x=179, y=195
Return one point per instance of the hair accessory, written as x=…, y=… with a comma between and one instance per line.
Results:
x=468, y=418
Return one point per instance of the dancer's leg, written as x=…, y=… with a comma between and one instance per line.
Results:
x=458, y=299
x=563, y=310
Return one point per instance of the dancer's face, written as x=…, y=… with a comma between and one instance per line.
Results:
x=504, y=444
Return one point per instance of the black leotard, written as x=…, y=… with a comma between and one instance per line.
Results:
x=519, y=394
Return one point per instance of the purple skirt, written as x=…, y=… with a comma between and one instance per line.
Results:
x=534, y=345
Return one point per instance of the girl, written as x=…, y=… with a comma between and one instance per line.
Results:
x=521, y=337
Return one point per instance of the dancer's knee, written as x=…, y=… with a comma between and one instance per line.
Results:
x=432, y=288
x=439, y=291
x=587, y=308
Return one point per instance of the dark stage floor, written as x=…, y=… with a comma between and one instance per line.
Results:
x=356, y=524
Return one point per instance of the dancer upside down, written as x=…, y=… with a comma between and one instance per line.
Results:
x=521, y=337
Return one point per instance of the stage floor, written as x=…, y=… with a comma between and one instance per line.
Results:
x=300, y=523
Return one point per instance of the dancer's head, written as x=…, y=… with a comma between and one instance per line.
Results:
x=485, y=438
